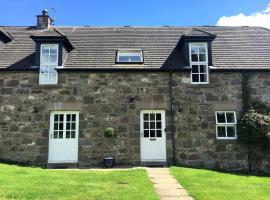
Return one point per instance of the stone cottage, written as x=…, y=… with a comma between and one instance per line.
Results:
x=173, y=94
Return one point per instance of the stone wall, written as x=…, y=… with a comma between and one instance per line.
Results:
x=116, y=99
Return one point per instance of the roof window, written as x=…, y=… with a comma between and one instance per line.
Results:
x=129, y=56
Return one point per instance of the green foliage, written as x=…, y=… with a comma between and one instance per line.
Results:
x=110, y=132
x=254, y=133
x=211, y=185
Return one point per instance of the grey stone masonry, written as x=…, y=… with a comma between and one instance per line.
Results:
x=115, y=99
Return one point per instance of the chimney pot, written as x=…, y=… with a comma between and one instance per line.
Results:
x=45, y=12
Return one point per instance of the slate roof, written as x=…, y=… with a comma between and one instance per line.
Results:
x=95, y=47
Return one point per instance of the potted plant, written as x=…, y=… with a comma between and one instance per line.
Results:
x=109, y=161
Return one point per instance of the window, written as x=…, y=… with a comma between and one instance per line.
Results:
x=198, y=57
x=64, y=125
x=226, y=125
x=48, y=63
x=129, y=56
x=152, y=125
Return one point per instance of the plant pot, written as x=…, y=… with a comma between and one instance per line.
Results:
x=109, y=162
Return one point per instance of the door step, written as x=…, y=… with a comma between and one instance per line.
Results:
x=154, y=163
x=62, y=165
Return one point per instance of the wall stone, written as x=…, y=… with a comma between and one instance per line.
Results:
x=116, y=99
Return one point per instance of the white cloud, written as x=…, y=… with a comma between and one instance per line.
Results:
x=255, y=19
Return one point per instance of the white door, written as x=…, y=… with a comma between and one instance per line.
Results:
x=63, y=137
x=153, y=136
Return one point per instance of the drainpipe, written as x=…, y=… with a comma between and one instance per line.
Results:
x=172, y=118
x=245, y=95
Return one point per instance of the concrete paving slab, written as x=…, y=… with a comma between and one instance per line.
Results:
x=166, y=186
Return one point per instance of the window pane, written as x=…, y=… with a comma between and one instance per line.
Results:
x=231, y=131
x=55, y=134
x=195, y=68
x=194, y=57
x=51, y=69
x=221, y=117
x=73, y=126
x=55, y=126
x=53, y=50
x=68, y=126
x=152, y=116
x=230, y=117
x=202, y=68
x=158, y=116
x=61, y=117
x=53, y=59
x=152, y=133
x=129, y=56
x=152, y=125
x=72, y=134
x=44, y=69
x=159, y=133
x=202, y=49
x=45, y=54
x=55, y=118
x=68, y=134
x=158, y=125
x=146, y=117
x=60, y=134
x=221, y=131
x=146, y=125
x=146, y=133
x=68, y=117
x=203, y=78
x=61, y=127
x=73, y=117
x=194, y=49
x=195, y=78
x=44, y=58
x=202, y=57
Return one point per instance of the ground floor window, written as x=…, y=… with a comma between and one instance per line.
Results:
x=64, y=125
x=226, y=125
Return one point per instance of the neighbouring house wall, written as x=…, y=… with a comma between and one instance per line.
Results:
x=116, y=99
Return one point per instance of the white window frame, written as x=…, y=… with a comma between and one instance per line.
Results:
x=226, y=124
x=131, y=51
x=199, y=63
x=48, y=65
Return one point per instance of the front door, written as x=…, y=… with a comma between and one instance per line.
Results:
x=153, y=136
x=63, y=137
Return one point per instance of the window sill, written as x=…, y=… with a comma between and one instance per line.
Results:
x=226, y=139
x=201, y=83
x=49, y=86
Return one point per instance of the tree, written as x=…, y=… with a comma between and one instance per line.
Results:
x=254, y=133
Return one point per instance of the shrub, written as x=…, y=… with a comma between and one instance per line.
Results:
x=254, y=133
x=109, y=132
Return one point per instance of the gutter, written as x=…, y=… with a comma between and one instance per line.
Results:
x=172, y=118
x=238, y=69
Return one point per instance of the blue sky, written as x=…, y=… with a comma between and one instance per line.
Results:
x=124, y=12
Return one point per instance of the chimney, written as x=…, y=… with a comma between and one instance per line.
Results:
x=44, y=21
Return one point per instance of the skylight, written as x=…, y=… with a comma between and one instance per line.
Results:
x=129, y=56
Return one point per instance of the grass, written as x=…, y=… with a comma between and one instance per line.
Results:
x=212, y=185
x=35, y=183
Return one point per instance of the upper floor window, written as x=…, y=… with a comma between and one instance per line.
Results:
x=48, y=62
x=198, y=57
x=226, y=125
x=129, y=56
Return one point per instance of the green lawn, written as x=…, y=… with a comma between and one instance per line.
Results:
x=211, y=185
x=35, y=183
